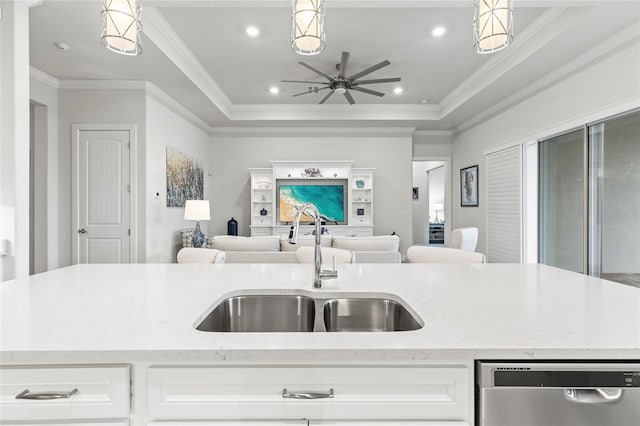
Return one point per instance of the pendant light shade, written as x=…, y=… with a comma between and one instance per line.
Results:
x=492, y=25
x=121, y=26
x=307, y=35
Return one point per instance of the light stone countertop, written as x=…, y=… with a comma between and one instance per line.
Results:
x=119, y=313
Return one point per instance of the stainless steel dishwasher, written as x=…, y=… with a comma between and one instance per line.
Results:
x=558, y=393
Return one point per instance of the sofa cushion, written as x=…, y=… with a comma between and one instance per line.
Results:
x=377, y=243
x=235, y=243
x=303, y=241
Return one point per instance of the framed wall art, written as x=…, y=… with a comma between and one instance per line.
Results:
x=469, y=186
x=185, y=178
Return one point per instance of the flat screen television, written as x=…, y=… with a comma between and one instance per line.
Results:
x=328, y=195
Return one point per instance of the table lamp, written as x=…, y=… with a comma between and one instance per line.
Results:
x=197, y=210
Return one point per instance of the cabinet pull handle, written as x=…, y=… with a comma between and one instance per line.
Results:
x=307, y=395
x=45, y=395
x=593, y=396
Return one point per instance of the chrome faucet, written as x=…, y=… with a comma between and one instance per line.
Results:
x=318, y=273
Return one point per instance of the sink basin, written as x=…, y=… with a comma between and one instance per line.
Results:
x=367, y=314
x=273, y=311
x=261, y=313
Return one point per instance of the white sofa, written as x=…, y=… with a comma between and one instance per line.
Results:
x=275, y=249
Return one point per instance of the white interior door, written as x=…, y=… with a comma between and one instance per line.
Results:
x=103, y=196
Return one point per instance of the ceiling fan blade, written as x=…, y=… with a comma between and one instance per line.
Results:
x=349, y=97
x=369, y=91
x=326, y=97
x=369, y=70
x=309, y=91
x=316, y=71
x=343, y=64
x=378, y=80
x=303, y=81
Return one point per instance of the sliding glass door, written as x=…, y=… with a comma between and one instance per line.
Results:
x=614, y=147
x=562, y=201
x=589, y=199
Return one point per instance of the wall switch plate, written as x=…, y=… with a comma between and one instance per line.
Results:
x=4, y=247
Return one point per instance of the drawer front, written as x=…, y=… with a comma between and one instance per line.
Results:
x=371, y=392
x=103, y=392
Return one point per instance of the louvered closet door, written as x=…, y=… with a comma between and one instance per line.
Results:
x=504, y=205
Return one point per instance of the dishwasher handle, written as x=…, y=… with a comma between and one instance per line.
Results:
x=593, y=395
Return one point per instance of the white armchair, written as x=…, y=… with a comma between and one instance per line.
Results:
x=464, y=238
x=426, y=254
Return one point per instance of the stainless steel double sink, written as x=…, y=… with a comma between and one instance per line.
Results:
x=299, y=311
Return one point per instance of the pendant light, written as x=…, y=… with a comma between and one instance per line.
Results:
x=307, y=35
x=121, y=26
x=492, y=25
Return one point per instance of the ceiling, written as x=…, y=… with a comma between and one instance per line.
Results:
x=198, y=52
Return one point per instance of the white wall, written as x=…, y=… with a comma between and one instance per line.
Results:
x=436, y=191
x=389, y=155
x=432, y=144
x=606, y=87
x=14, y=139
x=166, y=128
x=46, y=209
x=96, y=107
x=420, y=207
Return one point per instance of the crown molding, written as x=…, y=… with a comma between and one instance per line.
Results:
x=32, y=3
x=334, y=112
x=161, y=96
x=624, y=37
x=433, y=133
x=313, y=131
x=540, y=33
x=102, y=84
x=44, y=78
x=168, y=41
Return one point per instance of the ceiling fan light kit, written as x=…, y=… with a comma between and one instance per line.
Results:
x=307, y=34
x=492, y=25
x=121, y=26
x=342, y=84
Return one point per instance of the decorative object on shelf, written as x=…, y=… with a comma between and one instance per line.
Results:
x=262, y=185
x=436, y=208
x=263, y=198
x=342, y=83
x=415, y=193
x=263, y=212
x=307, y=34
x=121, y=26
x=469, y=186
x=185, y=179
x=359, y=183
x=492, y=25
x=311, y=172
x=360, y=212
x=197, y=210
x=232, y=227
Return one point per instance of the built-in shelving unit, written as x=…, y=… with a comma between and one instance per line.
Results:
x=359, y=193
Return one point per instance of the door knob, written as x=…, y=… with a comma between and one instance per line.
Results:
x=82, y=231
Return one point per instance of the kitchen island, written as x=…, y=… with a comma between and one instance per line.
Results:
x=141, y=318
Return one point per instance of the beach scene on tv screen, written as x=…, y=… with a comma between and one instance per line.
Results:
x=329, y=199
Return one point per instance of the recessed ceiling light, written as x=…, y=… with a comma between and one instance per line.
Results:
x=253, y=31
x=424, y=101
x=398, y=90
x=274, y=90
x=438, y=31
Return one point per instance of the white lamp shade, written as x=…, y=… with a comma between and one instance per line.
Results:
x=197, y=210
x=308, y=37
x=121, y=26
x=493, y=25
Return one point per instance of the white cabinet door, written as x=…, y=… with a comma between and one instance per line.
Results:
x=385, y=423
x=234, y=423
x=101, y=392
x=348, y=392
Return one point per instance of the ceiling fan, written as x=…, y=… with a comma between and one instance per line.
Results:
x=342, y=83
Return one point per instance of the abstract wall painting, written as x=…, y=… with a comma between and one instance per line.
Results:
x=185, y=178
